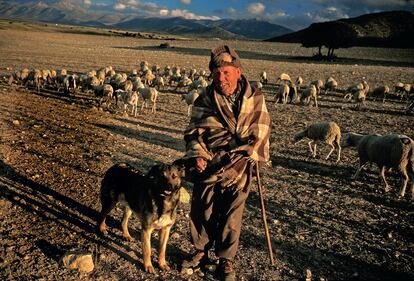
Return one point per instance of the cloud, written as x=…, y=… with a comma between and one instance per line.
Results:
x=186, y=2
x=189, y=15
x=87, y=2
x=164, y=12
x=119, y=6
x=256, y=9
x=327, y=14
x=231, y=12
x=359, y=7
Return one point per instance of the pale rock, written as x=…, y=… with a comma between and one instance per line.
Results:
x=78, y=260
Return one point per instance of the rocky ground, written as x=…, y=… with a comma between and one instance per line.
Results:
x=55, y=150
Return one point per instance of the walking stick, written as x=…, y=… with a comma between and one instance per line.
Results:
x=269, y=244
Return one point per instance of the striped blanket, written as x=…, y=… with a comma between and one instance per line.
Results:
x=231, y=144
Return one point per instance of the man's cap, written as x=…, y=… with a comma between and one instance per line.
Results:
x=224, y=56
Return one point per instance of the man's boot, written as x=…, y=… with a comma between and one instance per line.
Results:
x=226, y=270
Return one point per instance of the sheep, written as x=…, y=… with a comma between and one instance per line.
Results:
x=69, y=83
x=381, y=92
x=357, y=92
x=149, y=78
x=328, y=132
x=128, y=98
x=354, y=88
x=283, y=77
x=308, y=94
x=402, y=89
x=148, y=94
x=330, y=84
x=359, y=97
x=158, y=82
x=387, y=151
x=126, y=86
x=104, y=91
x=293, y=92
x=318, y=84
x=282, y=93
x=199, y=83
x=299, y=81
x=263, y=77
x=19, y=76
x=184, y=82
x=35, y=76
x=190, y=98
x=256, y=84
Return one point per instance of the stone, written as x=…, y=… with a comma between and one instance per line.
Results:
x=78, y=260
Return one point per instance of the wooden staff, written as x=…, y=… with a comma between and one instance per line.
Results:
x=269, y=244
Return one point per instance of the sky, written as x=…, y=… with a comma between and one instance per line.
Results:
x=294, y=14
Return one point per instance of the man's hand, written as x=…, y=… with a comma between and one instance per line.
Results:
x=201, y=164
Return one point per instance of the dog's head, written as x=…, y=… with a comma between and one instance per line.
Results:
x=166, y=179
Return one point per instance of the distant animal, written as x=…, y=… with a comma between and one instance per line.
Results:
x=328, y=132
x=263, y=77
x=153, y=197
x=387, y=151
x=308, y=94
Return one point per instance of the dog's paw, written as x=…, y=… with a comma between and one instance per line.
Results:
x=149, y=268
x=128, y=238
x=164, y=267
x=102, y=230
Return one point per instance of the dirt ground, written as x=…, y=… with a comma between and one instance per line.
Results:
x=55, y=150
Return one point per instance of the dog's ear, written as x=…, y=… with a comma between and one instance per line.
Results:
x=180, y=164
x=154, y=171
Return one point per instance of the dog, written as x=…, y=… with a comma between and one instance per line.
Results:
x=153, y=197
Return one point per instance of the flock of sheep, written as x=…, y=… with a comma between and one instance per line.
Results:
x=109, y=85
x=388, y=151
x=292, y=92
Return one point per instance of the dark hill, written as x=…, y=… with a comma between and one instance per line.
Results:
x=385, y=29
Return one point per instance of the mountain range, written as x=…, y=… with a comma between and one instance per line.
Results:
x=384, y=29
x=70, y=12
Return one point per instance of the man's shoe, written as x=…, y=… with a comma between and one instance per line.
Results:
x=225, y=270
x=199, y=259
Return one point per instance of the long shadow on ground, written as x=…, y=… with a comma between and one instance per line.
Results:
x=67, y=213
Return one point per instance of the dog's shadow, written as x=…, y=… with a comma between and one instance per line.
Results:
x=73, y=217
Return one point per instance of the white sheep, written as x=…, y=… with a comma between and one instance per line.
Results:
x=263, y=77
x=328, y=132
x=148, y=93
x=388, y=151
x=199, y=83
x=19, y=76
x=282, y=93
x=308, y=94
x=128, y=98
x=190, y=98
x=69, y=83
x=330, y=84
x=299, y=81
x=318, y=84
x=402, y=89
x=283, y=77
x=358, y=96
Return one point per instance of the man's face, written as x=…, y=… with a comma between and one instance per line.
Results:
x=225, y=79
